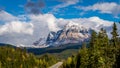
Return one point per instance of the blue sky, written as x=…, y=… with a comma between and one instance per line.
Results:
x=17, y=7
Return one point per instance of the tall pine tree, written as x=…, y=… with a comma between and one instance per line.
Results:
x=93, y=41
x=116, y=42
x=114, y=35
x=103, y=38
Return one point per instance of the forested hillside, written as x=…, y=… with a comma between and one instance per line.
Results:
x=101, y=53
x=18, y=58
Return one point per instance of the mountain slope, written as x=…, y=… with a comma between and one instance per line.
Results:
x=71, y=33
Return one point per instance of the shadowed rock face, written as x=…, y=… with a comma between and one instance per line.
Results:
x=71, y=33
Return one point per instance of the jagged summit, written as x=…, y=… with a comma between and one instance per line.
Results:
x=71, y=33
x=73, y=26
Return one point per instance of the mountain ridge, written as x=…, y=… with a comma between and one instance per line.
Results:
x=71, y=33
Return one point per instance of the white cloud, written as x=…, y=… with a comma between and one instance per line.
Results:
x=17, y=27
x=47, y=19
x=4, y=16
x=65, y=3
x=113, y=8
x=26, y=32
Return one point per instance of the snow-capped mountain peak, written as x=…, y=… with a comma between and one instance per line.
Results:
x=72, y=25
x=71, y=33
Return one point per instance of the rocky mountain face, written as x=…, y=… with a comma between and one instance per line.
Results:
x=71, y=33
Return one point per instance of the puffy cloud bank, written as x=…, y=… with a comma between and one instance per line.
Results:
x=25, y=32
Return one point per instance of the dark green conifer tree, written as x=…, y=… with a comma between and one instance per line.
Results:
x=114, y=35
x=94, y=40
x=84, y=56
